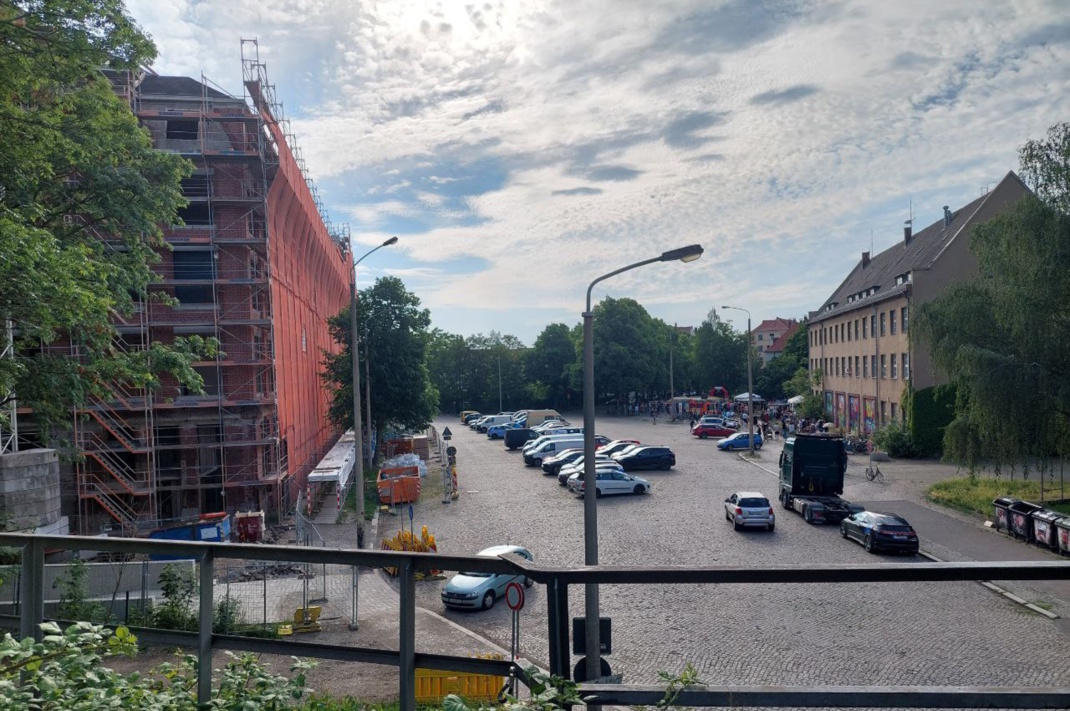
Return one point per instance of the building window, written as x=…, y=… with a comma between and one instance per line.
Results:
x=759, y=336
x=857, y=372
x=895, y=370
x=195, y=214
x=865, y=328
x=847, y=327
x=304, y=342
x=884, y=411
x=873, y=366
x=873, y=325
x=884, y=366
x=903, y=314
x=891, y=320
x=182, y=129
x=195, y=186
x=865, y=367
x=893, y=412
x=836, y=362
x=906, y=366
x=884, y=319
x=856, y=329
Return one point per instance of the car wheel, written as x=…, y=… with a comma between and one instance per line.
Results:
x=784, y=500
x=808, y=516
x=843, y=531
x=488, y=600
x=867, y=543
x=736, y=525
x=702, y=436
x=772, y=527
x=667, y=467
x=598, y=493
x=639, y=489
x=758, y=446
x=528, y=582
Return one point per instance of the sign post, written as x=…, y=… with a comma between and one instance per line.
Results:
x=514, y=598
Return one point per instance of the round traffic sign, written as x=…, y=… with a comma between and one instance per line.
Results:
x=514, y=596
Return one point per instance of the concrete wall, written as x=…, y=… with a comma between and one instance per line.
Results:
x=29, y=488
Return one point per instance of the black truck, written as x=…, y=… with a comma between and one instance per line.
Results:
x=812, y=468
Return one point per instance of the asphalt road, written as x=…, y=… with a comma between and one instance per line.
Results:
x=886, y=634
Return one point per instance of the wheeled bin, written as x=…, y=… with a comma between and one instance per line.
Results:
x=1044, y=531
x=1062, y=535
x=1021, y=520
x=1003, y=517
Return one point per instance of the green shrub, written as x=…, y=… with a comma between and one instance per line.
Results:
x=929, y=412
x=227, y=615
x=74, y=602
x=895, y=440
x=178, y=587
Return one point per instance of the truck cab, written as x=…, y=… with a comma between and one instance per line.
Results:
x=812, y=470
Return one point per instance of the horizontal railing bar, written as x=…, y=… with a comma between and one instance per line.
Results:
x=837, y=696
x=286, y=648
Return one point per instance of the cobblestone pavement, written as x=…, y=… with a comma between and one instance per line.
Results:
x=898, y=634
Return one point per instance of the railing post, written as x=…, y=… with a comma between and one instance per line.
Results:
x=32, y=612
x=557, y=617
x=204, y=631
x=407, y=641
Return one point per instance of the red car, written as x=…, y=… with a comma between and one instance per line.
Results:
x=703, y=431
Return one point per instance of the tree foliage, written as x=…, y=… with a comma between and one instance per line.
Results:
x=1001, y=339
x=772, y=381
x=393, y=332
x=1045, y=167
x=719, y=356
x=548, y=364
x=75, y=167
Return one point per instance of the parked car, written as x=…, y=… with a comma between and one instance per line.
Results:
x=466, y=413
x=880, y=532
x=646, y=457
x=553, y=464
x=498, y=431
x=568, y=470
x=519, y=437
x=610, y=481
x=481, y=590
x=617, y=445
x=749, y=508
x=471, y=417
x=739, y=441
x=704, y=430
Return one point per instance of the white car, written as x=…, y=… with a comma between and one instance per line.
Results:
x=610, y=481
x=569, y=470
x=749, y=508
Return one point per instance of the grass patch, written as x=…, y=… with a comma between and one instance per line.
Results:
x=323, y=702
x=371, y=498
x=976, y=495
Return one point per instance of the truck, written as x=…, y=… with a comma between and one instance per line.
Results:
x=537, y=417
x=812, y=469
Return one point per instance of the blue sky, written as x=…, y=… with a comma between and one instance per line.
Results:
x=521, y=149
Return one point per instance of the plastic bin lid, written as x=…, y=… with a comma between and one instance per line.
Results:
x=1005, y=501
x=1048, y=515
x=1025, y=506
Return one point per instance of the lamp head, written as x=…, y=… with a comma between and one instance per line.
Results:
x=392, y=240
x=685, y=254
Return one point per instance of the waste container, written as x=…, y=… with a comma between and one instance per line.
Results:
x=1021, y=519
x=1062, y=534
x=1044, y=532
x=1003, y=517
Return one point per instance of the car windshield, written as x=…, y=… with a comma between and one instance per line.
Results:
x=753, y=503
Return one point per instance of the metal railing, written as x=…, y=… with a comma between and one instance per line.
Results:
x=557, y=582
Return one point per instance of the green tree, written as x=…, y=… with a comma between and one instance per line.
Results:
x=394, y=334
x=549, y=361
x=1000, y=340
x=82, y=198
x=772, y=380
x=447, y=356
x=719, y=355
x=626, y=348
x=1045, y=167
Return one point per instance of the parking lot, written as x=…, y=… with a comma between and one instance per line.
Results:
x=895, y=634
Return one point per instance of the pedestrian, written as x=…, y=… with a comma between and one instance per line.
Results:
x=653, y=415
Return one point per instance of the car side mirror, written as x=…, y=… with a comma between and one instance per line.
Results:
x=728, y=500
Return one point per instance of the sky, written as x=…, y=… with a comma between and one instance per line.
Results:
x=520, y=150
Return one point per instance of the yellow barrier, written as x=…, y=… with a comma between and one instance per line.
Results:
x=433, y=686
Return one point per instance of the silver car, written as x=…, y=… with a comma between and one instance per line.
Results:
x=749, y=508
x=481, y=590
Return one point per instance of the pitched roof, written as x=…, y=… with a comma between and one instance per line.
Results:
x=901, y=258
x=778, y=344
x=771, y=324
x=156, y=85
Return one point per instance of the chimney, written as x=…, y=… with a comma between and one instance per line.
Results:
x=948, y=216
x=865, y=259
x=908, y=232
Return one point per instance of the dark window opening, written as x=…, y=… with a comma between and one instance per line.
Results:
x=168, y=436
x=194, y=265
x=196, y=213
x=195, y=186
x=182, y=129
x=194, y=294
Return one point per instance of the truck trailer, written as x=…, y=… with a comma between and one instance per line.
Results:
x=812, y=470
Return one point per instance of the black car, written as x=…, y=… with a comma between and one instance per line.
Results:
x=519, y=437
x=553, y=464
x=471, y=417
x=647, y=458
x=880, y=532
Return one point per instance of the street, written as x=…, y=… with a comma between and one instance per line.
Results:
x=886, y=634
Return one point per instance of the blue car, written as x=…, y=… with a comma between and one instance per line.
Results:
x=498, y=431
x=739, y=441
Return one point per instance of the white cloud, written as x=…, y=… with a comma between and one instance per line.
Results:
x=776, y=134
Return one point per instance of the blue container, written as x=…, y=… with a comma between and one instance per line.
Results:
x=215, y=530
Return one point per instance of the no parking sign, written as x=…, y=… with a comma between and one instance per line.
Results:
x=514, y=596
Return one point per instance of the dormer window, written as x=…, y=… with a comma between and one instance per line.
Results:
x=903, y=279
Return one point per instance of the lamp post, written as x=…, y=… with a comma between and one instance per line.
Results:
x=358, y=453
x=750, y=383
x=590, y=483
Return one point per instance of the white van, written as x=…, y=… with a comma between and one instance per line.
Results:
x=533, y=458
x=492, y=420
x=564, y=433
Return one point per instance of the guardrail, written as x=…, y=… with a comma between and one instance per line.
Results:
x=557, y=582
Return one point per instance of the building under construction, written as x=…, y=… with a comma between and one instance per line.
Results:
x=256, y=265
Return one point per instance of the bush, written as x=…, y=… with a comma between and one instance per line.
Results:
x=895, y=440
x=179, y=587
x=929, y=412
x=227, y=615
x=975, y=494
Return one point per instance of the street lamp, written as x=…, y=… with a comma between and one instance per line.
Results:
x=358, y=453
x=750, y=382
x=590, y=483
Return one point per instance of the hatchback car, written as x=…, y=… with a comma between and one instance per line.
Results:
x=880, y=532
x=481, y=590
x=703, y=430
x=646, y=457
x=749, y=508
x=566, y=472
x=610, y=481
x=739, y=441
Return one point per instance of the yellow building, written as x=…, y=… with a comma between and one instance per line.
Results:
x=859, y=337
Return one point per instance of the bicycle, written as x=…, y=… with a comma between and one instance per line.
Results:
x=873, y=473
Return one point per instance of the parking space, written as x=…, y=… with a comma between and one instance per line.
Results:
x=790, y=634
